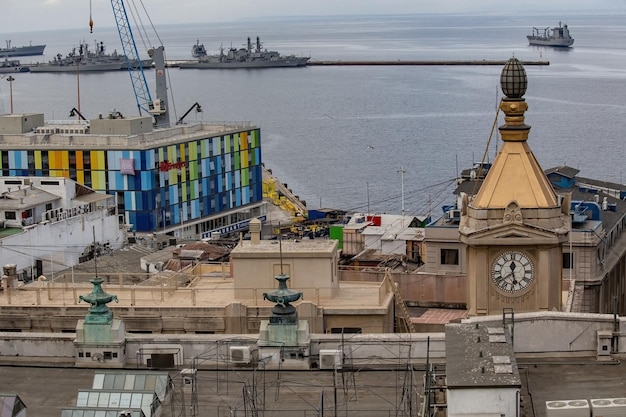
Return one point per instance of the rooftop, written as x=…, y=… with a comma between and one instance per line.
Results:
x=45, y=391
x=149, y=140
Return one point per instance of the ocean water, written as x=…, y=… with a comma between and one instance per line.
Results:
x=372, y=137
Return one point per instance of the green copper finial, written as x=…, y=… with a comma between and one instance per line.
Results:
x=98, y=312
x=283, y=312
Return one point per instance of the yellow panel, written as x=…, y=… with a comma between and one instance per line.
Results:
x=97, y=160
x=98, y=179
x=243, y=140
x=244, y=159
x=38, y=164
x=79, y=160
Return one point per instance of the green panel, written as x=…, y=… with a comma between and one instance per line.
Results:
x=193, y=189
x=227, y=143
x=183, y=190
x=237, y=158
x=336, y=233
x=236, y=139
x=192, y=151
x=245, y=177
x=204, y=146
x=193, y=170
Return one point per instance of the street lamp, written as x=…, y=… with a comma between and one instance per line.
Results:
x=402, y=171
x=10, y=79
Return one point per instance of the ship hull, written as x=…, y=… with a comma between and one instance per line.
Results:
x=282, y=63
x=10, y=70
x=22, y=51
x=74, y=68
x=561, y=43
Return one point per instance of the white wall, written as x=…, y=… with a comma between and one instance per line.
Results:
x=59, y=244
x=566, y=333
x=480, y=402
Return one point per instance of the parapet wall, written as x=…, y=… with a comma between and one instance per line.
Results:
x=546, y=335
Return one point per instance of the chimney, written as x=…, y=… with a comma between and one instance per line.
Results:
x=255, y=231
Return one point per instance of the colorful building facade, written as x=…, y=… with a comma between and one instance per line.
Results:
x=197, y=178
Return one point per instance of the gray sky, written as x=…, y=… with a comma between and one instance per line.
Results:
x=34, y=15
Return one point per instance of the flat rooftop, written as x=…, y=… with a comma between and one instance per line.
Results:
x=155, y=138
x=362, y=393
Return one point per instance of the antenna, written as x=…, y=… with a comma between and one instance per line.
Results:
x=280, y=247
x=95, y=253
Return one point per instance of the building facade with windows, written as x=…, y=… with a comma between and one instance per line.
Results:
x=189, y=181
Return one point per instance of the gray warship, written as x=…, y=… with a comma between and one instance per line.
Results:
x=248, y=57
x=86, y=60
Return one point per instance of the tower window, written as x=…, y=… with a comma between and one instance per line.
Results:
x=449, y=256
x=568, y=261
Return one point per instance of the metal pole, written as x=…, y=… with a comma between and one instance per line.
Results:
x=10, y=80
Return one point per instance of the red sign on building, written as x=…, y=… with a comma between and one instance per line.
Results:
x=166, y=165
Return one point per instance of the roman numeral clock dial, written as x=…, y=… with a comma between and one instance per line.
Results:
x=513, y=272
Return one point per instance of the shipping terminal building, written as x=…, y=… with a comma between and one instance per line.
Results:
x=191, y=181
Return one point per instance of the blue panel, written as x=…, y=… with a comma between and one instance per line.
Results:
x=219, y=162
x=146, y=180
x=228, y=181
x=113, y=160
x=24, y=161
x=112, y=181
x=246, y=195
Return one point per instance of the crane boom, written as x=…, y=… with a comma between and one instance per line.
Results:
x=135, y=69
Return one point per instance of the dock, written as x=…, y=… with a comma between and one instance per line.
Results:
x=439, y=62
x=174, y=64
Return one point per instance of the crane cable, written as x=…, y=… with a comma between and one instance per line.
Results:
x=144, y=40
x=141, y=26
x=482, y=162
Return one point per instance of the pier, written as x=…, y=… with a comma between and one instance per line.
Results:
x=174, y=64
x=438, y=62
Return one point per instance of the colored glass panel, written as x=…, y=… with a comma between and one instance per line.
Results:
x=245, y=177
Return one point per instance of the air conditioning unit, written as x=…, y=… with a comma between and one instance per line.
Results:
x=608, y=407
x=330, y=359
x=567, y=408
x=604, y=338
x=453, y=214
x=239, y=354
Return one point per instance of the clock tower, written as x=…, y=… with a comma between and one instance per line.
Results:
x=514, y=227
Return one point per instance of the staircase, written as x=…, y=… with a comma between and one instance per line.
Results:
x=404, y=316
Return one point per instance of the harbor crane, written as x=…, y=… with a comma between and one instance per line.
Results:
x=156, y=107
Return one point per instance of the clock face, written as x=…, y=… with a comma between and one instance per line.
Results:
x=513, y=272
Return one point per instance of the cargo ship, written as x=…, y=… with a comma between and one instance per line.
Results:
x=30, y=50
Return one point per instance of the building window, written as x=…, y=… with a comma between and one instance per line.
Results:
x=449, y=256
x=10, y=215
x=568, y=261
